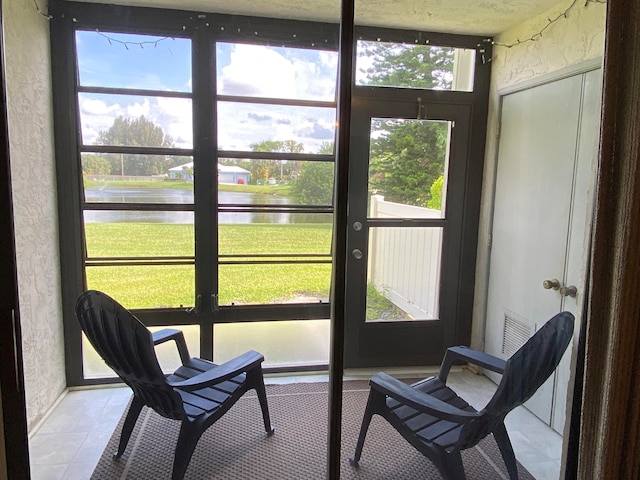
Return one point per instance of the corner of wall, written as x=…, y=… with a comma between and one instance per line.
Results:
x=33, y=177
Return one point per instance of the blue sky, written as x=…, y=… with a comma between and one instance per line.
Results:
x=246, y=70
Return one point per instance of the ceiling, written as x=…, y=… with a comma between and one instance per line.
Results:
x=476, y=17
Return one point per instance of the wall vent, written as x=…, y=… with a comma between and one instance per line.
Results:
x=515, y=334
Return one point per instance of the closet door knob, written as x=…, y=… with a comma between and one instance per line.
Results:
x=570, y=291
x=553, y=284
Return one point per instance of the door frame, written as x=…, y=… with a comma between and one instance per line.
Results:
x=415, y=342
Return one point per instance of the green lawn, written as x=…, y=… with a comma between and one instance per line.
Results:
x=171, y=286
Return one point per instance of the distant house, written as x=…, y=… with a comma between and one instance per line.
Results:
x=226, y=173
x=233, y=174
x=182, y=172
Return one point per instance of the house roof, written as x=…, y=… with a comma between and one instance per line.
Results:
x=221, y=168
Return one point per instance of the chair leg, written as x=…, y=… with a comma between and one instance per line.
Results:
x=504, y=444
x=129, y=423
x=258, y=382
x=451, y=467
x=187, y=440
x=374, y=398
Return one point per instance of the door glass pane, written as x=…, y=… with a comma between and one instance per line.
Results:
x=403, y=273
x=387, y=64
x=408, y=163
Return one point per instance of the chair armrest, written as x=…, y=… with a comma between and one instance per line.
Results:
x=167, y=334
x=475, y=357
x=242, y=363
x=422, y=402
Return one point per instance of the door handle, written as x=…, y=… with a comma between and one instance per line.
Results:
x=553, y=284
x=570, y=291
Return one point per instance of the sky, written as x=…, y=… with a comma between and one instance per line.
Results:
x=246, y=70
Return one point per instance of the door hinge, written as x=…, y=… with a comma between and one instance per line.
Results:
x=214, y=302
x=196, y=308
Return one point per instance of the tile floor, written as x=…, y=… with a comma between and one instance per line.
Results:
x=68, y=444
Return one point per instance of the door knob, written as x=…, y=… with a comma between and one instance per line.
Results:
x=551, y=284
x=570, y=291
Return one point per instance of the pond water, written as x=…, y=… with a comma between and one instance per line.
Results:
x=177, y=196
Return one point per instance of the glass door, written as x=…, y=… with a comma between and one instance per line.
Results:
x=405, y=230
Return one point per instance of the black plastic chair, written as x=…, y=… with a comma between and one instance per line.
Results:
x=197, y=394
x=440, y=424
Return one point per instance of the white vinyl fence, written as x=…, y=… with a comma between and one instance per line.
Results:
x=404, y=262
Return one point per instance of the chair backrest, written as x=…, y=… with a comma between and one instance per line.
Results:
x=524, y=374
x=126, y=346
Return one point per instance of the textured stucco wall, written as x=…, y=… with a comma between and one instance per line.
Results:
x=29, y=100
x=570, y=41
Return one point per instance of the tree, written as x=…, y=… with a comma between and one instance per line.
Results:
x=408, y=156
x=406, y=65
x=264, y=169
x=314, y=184
x=137, y=132
x=435, y=201
x=95, y=165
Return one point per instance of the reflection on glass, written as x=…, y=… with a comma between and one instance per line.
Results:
x=403, y=273
x=121, y=239
x=283, y=343
x=145, y=286
x=94, y=367
x=135, y=178
x=136, y=121
x=408, y=168
x=386, y=64
x=275, y=128
x=118, y=60
x=303, y=237
x=276, y=72
x=247, y=284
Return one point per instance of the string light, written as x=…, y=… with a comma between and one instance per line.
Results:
x=126, y=45
x=45, y=15
x=550, y=21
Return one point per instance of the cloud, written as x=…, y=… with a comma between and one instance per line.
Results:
x=260, y=118
x=275, y=72
x=137, y=109
x=255, y=70
x=97, y=107
x=319, y=132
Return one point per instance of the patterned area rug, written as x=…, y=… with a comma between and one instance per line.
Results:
x=236, y=447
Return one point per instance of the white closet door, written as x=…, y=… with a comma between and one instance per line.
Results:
x=533, y=201
x=579, y=229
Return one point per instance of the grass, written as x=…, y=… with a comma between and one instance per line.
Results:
x=282, y=190
x=380, y=308
x=173, y=286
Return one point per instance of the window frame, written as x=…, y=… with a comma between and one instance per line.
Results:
x=205, y=30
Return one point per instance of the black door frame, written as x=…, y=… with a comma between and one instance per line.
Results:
x=419, y=342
